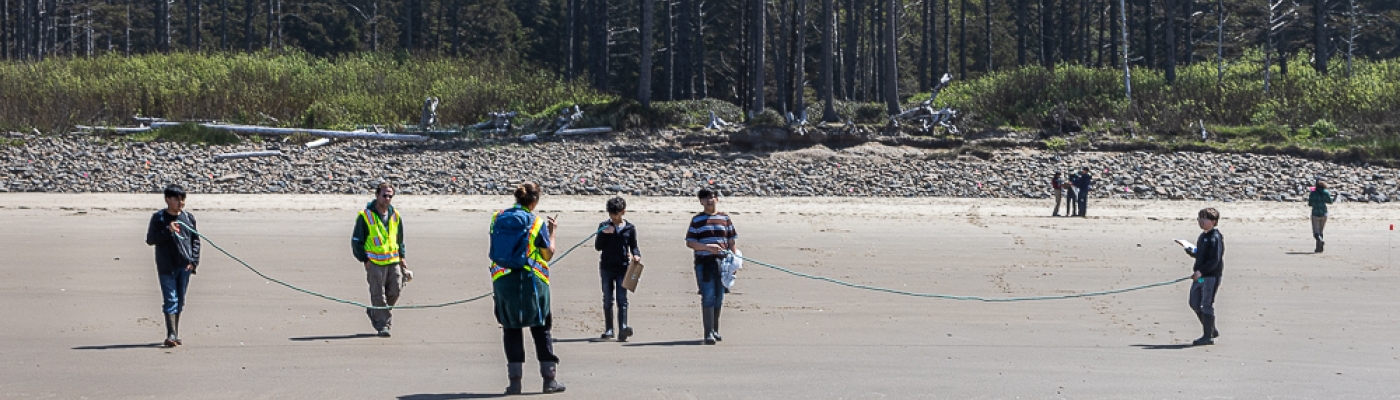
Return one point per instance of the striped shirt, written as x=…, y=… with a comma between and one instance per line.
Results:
x=711, y=229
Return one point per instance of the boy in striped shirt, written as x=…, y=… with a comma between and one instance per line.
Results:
x=711, y=234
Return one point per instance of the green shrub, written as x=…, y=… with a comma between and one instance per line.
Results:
x=1323, y=129
x=1056, y=144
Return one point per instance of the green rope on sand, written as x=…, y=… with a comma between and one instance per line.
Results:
x=954, y=297
x=356, y=303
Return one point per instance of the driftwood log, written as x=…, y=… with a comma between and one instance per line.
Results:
x=263, y=130
x=247, y=154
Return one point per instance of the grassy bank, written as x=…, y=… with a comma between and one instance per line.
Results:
x=296, y=89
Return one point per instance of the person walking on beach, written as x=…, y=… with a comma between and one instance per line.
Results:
x=521, y=246
x=617, y=242
x=711, y=234
x=1083, y=183
x=1319, y=199
x=177, y=256
x=1056, y=187
x=377, y=242
x=1205, y=277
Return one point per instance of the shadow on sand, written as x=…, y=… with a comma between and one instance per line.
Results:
x=453, y=396
x=156, y=345
x=1164, y=346
x=583, y=340
x=332, y=337
x=1299, y=253
x=696, y=342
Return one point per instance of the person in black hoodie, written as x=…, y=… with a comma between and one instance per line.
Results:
x=177, y=256
x=1205, y=280
x=617, y=240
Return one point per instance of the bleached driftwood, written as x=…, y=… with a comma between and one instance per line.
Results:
x=583, y=131
x=247, y=154
x=114, y=129
x=716, y=122
x=318, y=142
x=263, y=130
x=429, y=117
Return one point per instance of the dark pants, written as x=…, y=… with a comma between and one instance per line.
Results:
x=172, y=289
x=1203, y=294
x=1083, y=200
x=612, y=287
x=515, y=343
x=1070, y=201
x=707, y=278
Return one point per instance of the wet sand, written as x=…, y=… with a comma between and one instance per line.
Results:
x=84, y=318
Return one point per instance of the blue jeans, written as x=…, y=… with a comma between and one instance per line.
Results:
x=711, y=286
x=1083, y=200
x=612, y=287
x=172, y=289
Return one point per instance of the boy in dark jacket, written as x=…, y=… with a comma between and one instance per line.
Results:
x=177, y=256
x=1205, y=280
x=617, y=240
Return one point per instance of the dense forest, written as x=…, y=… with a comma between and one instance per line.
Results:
x=798, y=53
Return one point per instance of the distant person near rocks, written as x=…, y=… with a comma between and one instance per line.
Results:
x=1057, y=187
x=711, y=234
x=177, y=256
x=1319, y=199
x=1071, y=196
x=617, y=244
x=377, y=242
x=1205, y=276
x=1083, y=184
x=521, y=246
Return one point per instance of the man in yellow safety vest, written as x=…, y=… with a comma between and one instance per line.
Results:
x=378, y=244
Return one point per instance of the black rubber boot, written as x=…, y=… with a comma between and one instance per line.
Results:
x=176, y=319
x=547, y=371
x=514, y=371
x=715, y=331
x=709, y=324
x=1207, y=331
x=608, y=321
x=624, y=330
x=170, y=331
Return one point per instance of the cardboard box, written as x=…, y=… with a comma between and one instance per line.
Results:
x=634, y=275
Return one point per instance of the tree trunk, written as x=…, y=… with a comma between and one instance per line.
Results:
x=757, y=20
x=669, y=92
x=683, y=36
x=987, y=18
x=922, y=64
x=1115, y=27
x=778, y=33
x=852, y=42
x=1022, y=31
x=962, y=40
x=1188, y=32
x=1149, y=45
x=644, y=69
x=1127, y=67
x=598, y=44
x=799, y=54
x=947, y=35
x=891, y=77
x=1321, y=52
x=698, y=48
x=5, y=29
x=828, y=61
x=1170, y=28
x=1047, y=33
x=250, y=11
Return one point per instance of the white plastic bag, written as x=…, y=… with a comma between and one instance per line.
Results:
x=729, y=266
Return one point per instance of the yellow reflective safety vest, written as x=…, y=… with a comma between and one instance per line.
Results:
x=382, y=243
x=533, y=258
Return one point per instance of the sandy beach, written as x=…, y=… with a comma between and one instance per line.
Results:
x=84, y=318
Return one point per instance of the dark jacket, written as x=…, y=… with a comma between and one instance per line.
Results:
x=357, y=239
x=1210, y=254
x=1083, y=181
x=173, y=251
x=617, y=247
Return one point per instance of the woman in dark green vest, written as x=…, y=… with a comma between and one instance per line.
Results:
x=521, y=246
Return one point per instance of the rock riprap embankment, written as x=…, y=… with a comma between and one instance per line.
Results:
x=655, y=167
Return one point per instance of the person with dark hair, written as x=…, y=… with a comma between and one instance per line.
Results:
x=1319, y=199
x=521, y=246
x=377, y=242
x=1070, y=197
x=1205, y=278
x=617, y=242
x=1083, y=184
x=1057, y=188
x=711, y=234
x=177, y=256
